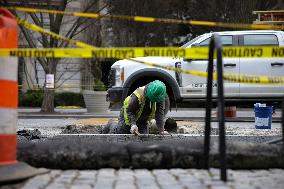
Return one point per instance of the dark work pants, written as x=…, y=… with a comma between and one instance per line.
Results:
x=122, y=128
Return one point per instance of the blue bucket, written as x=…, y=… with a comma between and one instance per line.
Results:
x=263, y=117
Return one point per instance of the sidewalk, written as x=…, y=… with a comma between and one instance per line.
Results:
x=155, y=179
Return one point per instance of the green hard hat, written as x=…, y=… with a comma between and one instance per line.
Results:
x=156, y=91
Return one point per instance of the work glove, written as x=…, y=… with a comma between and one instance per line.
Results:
x=134, y=130
x=152, y=122
x=164, y=132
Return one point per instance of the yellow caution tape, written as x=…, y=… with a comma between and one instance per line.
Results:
x=39, y=29
x=119, y=53
x=152, y=19
x=238, y=78
x=131, y=52
x=252, y=79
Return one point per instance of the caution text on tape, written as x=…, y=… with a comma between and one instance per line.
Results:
x=122, y=53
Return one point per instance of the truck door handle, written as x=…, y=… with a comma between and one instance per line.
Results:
x=277, y=64
x=230, y=65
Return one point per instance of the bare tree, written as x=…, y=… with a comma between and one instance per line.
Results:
x=230, y=11
x=55, y=22
x=129, y=33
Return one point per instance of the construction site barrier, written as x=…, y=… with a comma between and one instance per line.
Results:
x=132, y=52
x=150, y=19
x=189, y=53
x=10, y=168
x=9, y=90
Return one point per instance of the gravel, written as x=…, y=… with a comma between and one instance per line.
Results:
x=52, y=127
x=232, y=128
x=47, y=127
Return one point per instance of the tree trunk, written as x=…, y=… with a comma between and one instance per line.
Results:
x=48, y=101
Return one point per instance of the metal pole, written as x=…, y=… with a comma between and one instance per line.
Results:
x=221, y=117
x=208, y=103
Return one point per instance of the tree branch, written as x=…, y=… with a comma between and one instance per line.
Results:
x=79, y=21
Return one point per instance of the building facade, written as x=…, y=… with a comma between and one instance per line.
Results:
x=72, y=74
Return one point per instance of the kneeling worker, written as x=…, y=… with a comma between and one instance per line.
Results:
x=145, y=103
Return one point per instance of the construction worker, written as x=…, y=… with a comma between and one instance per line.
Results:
x=144, y=104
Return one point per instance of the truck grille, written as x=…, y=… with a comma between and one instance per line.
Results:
x=111, y=77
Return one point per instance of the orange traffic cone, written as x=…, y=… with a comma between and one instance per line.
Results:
x=10, y=168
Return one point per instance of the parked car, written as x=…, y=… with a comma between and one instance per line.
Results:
x=127, y=75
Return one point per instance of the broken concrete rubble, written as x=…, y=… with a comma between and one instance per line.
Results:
x=29, y=134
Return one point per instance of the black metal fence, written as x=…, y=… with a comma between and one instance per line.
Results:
x=215, y=49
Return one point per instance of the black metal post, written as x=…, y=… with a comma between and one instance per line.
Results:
x=221, y=105
x=209, y=103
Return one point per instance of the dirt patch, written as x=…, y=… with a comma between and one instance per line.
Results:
x=92, y=121
x=83, y=129
x=96, y=126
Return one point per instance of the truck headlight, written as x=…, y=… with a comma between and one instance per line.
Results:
x=119, y=75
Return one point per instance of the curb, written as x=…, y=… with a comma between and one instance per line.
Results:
x=145, y=151
x=80, y=116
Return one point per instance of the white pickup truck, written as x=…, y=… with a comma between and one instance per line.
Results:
x=126, y=75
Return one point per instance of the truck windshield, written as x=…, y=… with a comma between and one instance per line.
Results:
x=191, y=41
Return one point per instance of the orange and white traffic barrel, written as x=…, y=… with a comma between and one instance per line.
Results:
x=10, y=168
x=8, y=89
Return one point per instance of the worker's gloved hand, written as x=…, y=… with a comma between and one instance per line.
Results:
x=134, y=130
x=164, y=132
x=152, y=122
